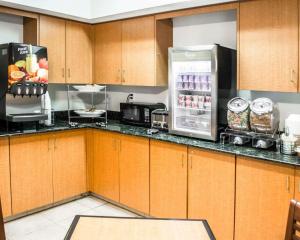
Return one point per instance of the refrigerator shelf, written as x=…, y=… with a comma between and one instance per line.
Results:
x=193, y=123
x=195, y=73
x=195, y=109
x=195, y=90
x=195, y=117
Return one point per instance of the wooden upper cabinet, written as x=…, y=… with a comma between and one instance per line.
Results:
x=53, y=36
x=163, y=40
x=134, y=172
x=31, y=172
x=263, y=194
x=133, y=52
x=268, y=45
x=168, y=180
x=106, y=165
x=138, y=48
x=108, y=53
x=69, y=164
x=79, y=52
x=5, y=193
x=211, y=190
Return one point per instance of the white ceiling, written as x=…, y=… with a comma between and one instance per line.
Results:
x=100, y=10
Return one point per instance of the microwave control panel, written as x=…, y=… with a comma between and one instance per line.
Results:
x=147, y=115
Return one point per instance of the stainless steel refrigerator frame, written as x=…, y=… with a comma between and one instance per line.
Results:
x=214, y=93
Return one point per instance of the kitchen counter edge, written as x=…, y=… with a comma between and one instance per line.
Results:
x=275, y=157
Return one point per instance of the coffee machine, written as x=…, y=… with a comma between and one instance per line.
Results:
x=23, y=79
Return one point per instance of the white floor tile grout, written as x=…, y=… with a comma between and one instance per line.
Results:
x=53, y=224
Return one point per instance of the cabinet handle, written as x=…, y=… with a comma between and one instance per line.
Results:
x=191, y=161
x=119, y=75
x=63, y=72
x=292, y=76
x=182, y=158
x=299, y=187
x=288, y=183
x=120, y=145
x=49, y=145
x=115, y=144
x=123, y=76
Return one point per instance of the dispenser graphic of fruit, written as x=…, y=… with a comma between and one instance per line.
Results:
x=27, y=64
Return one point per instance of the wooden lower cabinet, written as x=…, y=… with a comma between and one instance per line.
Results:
x=168, y=180
x=69, y=164
x=263, y=193
x=90, y=159
x=31, y=172
x=134, y=172
x=106, y=165
x=297, y=184
x=5, y=193
x=211, y=189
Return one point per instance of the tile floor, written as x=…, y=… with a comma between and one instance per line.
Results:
x=54, y=223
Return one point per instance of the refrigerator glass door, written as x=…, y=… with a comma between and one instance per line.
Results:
x=193, y=92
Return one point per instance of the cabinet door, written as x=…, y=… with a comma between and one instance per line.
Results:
x=31, y=172
x=90, y=159
x=69, y=164
x=138, y=52
x=108, y=53
x=134, y=172
x=5, y=193
x=269, y=45
x=263, y=194
x=297, y=184
x=53, y=36
x=79, y=52
x=211, y=189
x=168, y=180
x=106, y=165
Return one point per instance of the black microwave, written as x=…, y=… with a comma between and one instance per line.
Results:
x=138, y=113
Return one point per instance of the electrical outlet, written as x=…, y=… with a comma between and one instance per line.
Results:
x=132, y=98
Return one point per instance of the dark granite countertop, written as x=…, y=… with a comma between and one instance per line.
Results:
x=140, y=131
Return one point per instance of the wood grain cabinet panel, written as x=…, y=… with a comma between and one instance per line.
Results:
x=132, y=52
x=31, y=172
x=268, y=43
x=138, y=51
x=53, y=36
x=108, y=53
x=168, y=180
x=69, y=164
x=263, y=193
x=297, y=183
x=211, y=190
x=106, y=165
x=5, y=193
x=79, y=52
x=90, y=159
x=134, y=172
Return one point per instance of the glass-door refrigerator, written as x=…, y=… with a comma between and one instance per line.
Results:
x=202, y=79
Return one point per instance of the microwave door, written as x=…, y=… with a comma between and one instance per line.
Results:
x=132, y=114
